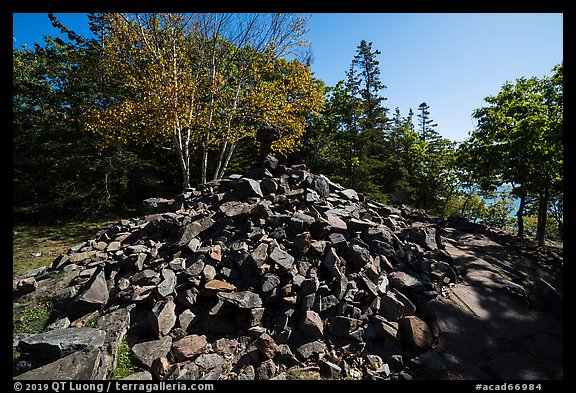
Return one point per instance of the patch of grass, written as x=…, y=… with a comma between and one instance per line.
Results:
x=55, y=274
x=299, y=374
x=125, y=366
x=48, y=242
x=31, y=319
x=93, y=323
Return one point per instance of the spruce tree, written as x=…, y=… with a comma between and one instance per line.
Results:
x=426, y=124
x=375, y=115
x=433, y=181
x=368, y=121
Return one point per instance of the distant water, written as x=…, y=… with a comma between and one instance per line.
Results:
x=515, y=200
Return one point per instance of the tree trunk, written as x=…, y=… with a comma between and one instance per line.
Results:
x=204, y=161
x=220, y=159
x=542, y=216
x=350, y=166
x=180, y=145
x=212, y=99
x=206, y=141
x=230, y=152
x=218, y=172
x=183, y=158
x=448, y=198
x=520, y=214
x=464, y=205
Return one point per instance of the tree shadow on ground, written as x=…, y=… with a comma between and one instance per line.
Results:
x=495, y=331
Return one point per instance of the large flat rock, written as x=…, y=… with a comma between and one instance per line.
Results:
x=479, y=324
x=504, y=316
x=460, y=331
x=88, y=364
x=62, y=342
x=512, y=366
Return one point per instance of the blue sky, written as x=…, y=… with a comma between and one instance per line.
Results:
x=451, y=61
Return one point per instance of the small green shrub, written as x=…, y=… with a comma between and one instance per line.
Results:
x=125, y=366
x=31, y=319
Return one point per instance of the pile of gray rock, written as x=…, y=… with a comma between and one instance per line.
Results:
x=249, y=277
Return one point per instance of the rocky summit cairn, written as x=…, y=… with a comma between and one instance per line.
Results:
x=266, y=135
x=259, y=276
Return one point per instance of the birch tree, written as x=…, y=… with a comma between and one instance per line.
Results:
x=195, y=78
x=153, y=57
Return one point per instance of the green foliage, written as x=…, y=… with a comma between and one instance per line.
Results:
x=427, y=125
x=33, y=319
x=59, y=171
x=297, y=373
x=93, y=323
x=63, y=90
x=498, y=213
x=48, y=241
x=365, y=74
x=553, y=228
x=523, y=127
x=125, y=365
x=326, y=145
x=357, y=145
x=201, y=82
x=430, y=163
x=489, y=208
x=161, y=89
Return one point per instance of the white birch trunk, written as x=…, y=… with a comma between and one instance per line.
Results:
x=217, y=172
